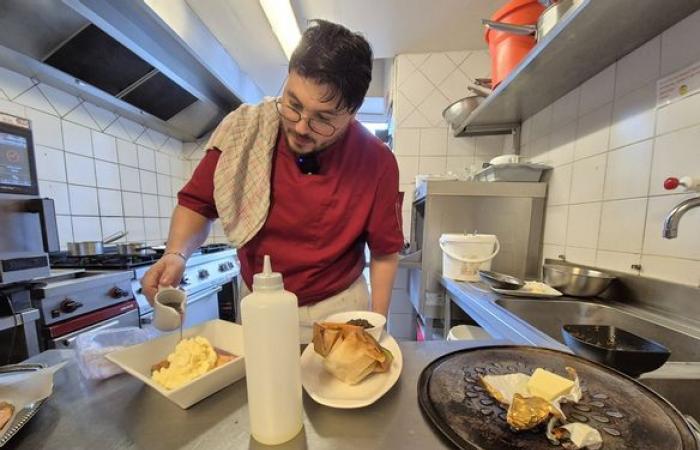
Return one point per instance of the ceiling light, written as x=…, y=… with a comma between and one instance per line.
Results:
x=283, y=22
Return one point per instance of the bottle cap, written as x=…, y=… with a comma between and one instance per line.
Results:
x=267, y=280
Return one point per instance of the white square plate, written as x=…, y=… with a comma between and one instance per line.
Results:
x=327, y=390
x=138, y=360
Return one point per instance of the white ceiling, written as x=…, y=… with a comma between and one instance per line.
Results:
x=391, y=26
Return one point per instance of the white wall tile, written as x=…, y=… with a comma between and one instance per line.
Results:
x=133, y=204
x=14, y=83
x=164, y=187
x=86, y=229
x=112, y=226
x=147, y=158
x=555, y=225
x=50, y=164
x=565, y=109
x=588, y=179
x=593, y=132
x=431, y=165
x=164, y=227
x=460, y=146
x=46, y=129
x=83, y=201
x=165, y=208
x=81, y=170
x=9, y=107
x=107, y=175
x=149, y=184
x=579, y=255
x=163, y=163
x=150, y=205
x=104, y=146
x=126, y=153
x=135, y=228
x=433, y=142
x=559, y=186
x=622, y=225
x=633, y=116
x=541, y=123
x=583, y=225
x=627, y=172
x=489, y=146
x=58, y=192
x=81, y=116
x=62, y=102
x=676, y=270
x=101, y=116
x=562, y=143
x=432, y=108
x=598, y=90
x=679, y=44
x=680, y=114
x=675, y=155
x=175, y=185
x=110, y=202
x=638, y=68
x=130, y=180
x=687, y=244
x=621, y=262
x=177, y=167
x=65, y=230
x=408, y=169
x=550, y=251
x=152, y=228
x=34, y=98
x=76, y=138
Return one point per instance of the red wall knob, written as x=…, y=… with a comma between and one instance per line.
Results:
x=671, y=183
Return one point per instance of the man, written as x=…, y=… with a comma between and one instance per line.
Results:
x=300, y=179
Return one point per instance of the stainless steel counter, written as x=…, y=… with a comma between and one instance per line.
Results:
x=123, y=413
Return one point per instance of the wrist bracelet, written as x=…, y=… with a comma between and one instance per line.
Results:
x=184, y=258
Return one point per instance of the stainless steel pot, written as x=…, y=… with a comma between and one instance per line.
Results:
x=547, y=20
x=456, y=113
x=576, y=281
x=90, y=248
x=134, y=249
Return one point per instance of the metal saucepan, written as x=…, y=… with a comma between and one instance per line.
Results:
x=456, y=113
x=90, y=248
x=576, y=281
x=547, y=20
x=134, y=249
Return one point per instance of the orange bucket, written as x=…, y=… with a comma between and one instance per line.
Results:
x=507, y=49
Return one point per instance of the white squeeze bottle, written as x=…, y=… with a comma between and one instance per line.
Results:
x=270, y=319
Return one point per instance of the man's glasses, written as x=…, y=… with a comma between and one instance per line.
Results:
x=291, y=114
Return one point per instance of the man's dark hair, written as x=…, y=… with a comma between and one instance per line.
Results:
x=332, y=55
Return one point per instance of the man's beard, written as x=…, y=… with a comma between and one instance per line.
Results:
x=309, y=144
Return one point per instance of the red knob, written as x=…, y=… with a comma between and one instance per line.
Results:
x=671, y=183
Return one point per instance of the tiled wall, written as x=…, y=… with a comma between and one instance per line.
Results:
x=611, y=149
x=105, y=173
x=423, y=86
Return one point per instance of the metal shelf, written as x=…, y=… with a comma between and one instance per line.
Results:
x=588, y=39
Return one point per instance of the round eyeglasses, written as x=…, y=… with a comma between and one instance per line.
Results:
x=292, y=114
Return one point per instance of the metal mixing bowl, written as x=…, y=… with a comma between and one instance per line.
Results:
x=576, y=281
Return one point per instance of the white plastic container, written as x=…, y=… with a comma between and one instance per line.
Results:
x=512, y=172
x=467, y=333
x=92, y=347
x=270, y=317
x=463, y=255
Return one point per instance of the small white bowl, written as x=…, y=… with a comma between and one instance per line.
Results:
x=376, y=319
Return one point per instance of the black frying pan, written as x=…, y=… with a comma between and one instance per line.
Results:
x=616, y=348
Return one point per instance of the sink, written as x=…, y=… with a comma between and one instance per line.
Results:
x=548, y=316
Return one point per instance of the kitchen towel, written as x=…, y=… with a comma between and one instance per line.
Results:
x=246, y=138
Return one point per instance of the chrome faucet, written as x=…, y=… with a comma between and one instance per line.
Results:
x=674, y=216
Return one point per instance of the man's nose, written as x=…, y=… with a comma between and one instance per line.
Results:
x=302, y=127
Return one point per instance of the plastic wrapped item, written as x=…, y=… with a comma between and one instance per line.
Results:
x=92, y=347
x=514, y=172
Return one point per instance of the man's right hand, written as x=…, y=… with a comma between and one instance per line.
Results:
x=166, y=272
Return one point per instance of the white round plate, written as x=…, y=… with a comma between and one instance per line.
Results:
x=327, y=390
x=531, y=289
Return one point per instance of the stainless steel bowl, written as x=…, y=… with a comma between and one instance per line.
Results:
x=576, y=281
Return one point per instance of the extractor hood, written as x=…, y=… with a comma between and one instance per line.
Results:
x=118, y=55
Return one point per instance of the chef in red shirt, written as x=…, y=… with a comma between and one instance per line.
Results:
x=333, y=188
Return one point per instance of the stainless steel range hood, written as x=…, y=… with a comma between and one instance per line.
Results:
x=118, y=55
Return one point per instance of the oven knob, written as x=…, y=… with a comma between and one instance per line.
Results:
x=55, y=313
x=117, y=292
x=69, y=306
x=203, y=274
x=185, y=281
x=229, y=265
x=223, y=267
x=146, y=320
x=139, y=291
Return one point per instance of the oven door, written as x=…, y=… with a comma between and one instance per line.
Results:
x=128, y=319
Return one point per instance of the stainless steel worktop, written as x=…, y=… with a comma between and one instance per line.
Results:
x=123, y=413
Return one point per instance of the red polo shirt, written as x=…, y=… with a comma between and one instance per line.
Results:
x=318, y=225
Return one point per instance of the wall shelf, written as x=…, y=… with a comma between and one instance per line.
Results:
x=588, y=39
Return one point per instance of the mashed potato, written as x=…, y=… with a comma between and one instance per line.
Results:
x=191, y=358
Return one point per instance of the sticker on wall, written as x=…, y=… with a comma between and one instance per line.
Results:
x=678, y=85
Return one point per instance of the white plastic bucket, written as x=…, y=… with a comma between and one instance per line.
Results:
x=467, y=333
x=463, y=255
